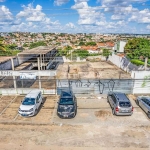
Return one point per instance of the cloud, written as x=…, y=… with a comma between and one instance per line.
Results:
x=142, y=16
x=87, y=15
x=5, y=14
x=70, y=25
x=148, y=27
x=31, y=14
x=2, y=0
x=60, y=2
x=120, y=3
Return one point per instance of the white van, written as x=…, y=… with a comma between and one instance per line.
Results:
x=31, y=103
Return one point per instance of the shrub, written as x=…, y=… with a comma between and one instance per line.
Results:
x=137, y=62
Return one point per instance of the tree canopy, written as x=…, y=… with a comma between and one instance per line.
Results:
x=36, y=44
x=138, y=48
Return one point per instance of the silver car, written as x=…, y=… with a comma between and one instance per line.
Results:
x=144, y=103
x=119, y=103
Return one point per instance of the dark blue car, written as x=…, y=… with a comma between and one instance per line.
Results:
x=67, y=105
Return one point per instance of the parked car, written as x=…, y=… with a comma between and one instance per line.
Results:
x=120, y=103
x=31, y=103
x=67, y=105
x=144, y=103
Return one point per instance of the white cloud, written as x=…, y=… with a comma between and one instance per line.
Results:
x=123, y=3
x=70, y=25
x=87, y=15
x=60, y=2
x=5, y=14
x=142, y=16
x=148, y=27
x=2, y=0
x=32, y=14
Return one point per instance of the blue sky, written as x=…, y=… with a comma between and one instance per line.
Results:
x=75, y=16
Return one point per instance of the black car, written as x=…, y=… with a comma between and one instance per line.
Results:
x=67, y=105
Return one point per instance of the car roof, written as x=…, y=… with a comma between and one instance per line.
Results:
x=121, y=96
x=33, y=93
x=146, y=97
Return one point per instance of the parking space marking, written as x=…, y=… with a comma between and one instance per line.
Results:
x=16, y=117
x=54, y=112
x=1, y=97
x=7, y=106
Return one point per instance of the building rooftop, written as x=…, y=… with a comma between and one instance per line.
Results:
x=37, y=50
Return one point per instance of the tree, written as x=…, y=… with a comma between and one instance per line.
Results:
x=81, y=43
x=106, y=52
x=91, y=44
x=37, y=44
x=2, y=46
x=138, y=48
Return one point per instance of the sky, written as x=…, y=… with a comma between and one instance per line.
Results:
x=75, y=16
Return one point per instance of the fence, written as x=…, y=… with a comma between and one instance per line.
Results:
x=78, y=86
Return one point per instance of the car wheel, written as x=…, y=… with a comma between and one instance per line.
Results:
x=113, y=111
x=148, y=114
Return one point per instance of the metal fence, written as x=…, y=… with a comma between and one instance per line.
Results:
x=50, y=85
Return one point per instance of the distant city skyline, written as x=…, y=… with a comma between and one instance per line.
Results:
x=75, y=16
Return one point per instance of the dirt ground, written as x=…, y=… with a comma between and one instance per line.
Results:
x=91, y=70
x=93, y=128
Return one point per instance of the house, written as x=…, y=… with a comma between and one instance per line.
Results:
x=119, y=46
x=91, y=49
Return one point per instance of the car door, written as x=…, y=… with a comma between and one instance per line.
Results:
x=142, y=103
x=38, y=102
x=146, y=105
x=113, y=101
x=110, y=99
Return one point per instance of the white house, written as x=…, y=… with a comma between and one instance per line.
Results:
x=119, y=46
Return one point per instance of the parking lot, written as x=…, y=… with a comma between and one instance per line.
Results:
x=92, y=109
x=94, y=126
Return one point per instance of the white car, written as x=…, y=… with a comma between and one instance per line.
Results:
x=31, y=103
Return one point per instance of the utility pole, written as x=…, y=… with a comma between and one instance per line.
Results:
x=145, y=65
x=14, y=78
x=38, y=59
x=71, y=55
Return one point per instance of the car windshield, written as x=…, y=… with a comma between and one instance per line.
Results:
x=66, y=101
x=124, y=104
x=28, y=101
x=66, y=94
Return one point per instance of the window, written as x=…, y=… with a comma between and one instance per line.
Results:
x=28, y=101
x=114, y=99
x=124, y=104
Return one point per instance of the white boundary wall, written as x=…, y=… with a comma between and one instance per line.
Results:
x=18, y=73
x=139, y=87
x=19, y=91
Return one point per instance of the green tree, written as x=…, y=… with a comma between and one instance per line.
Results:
x=106, y=52
x=91, y=44
x=2, y=46
x=37, y=44
x=81, y=43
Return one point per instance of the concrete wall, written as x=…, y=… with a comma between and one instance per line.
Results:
x=24, y=91
x=122, y=63
x=142, y=82
x=6, y=65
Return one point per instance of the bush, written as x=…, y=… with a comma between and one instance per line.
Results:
x=137, y=62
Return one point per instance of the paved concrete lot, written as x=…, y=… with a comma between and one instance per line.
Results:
x=9, y=110
x=92, y=109
x=95, y=110
x=94, y=126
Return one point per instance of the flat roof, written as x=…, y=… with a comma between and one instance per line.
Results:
x=5, y=58
x=38, y=50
